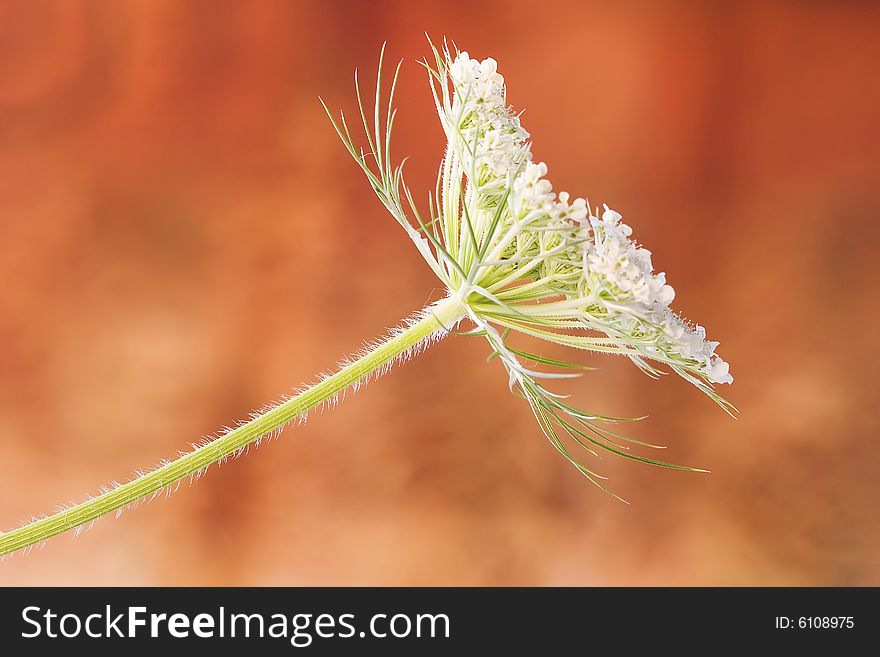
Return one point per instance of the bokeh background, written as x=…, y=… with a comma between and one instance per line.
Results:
x=182, y=238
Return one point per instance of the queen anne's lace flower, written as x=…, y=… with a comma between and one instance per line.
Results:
x=621, y=295
x=523, y=259
x=514, y=256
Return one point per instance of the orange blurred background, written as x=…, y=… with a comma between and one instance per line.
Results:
x=184, y=239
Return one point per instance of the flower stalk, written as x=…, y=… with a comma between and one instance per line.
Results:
x=431, y=324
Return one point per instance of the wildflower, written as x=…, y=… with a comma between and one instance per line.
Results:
x=525, y=260
x=516, y=258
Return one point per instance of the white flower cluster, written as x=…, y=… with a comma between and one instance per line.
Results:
x=618, y=274
x=590, y=258
x=492, y=136
x=532, y=197
x=482, y=118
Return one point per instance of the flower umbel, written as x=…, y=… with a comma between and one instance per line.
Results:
x=525, y=260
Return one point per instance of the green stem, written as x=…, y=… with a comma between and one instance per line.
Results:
x=436, y=319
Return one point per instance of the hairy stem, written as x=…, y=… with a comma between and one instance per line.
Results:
x=433, y=322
